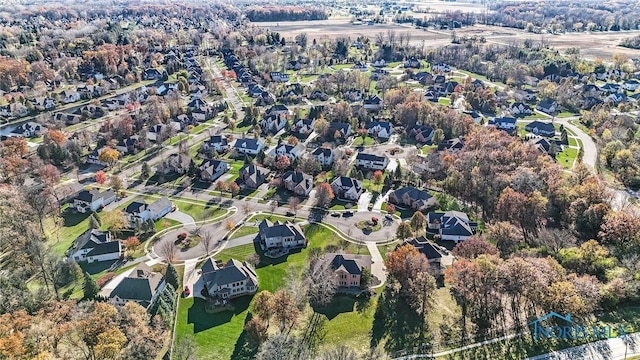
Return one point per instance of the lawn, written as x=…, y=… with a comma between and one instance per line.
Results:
x=444, y=101
x=567, y=157
x=270, y=217
x=196, y=210
x=244, y=231
x=384, y=249
x=366, y=142
x=61, y=238
x=217, y=335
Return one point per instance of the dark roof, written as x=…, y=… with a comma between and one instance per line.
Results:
x=249, y=143
x=233, y=271
x=217, y=139
x=339, y=126
x=278, y=229
x=429, y=249
x=106, y=248
x=322, y=150
x=90, y=239
x=546, y=103
x=297, y=176
x=348, y=182
x=370, y=157
x=90, y=196
x=160, y=205
x=136, y=207
x=353, y=264
x=451, y=144
x=382, y=124
x=415, y=194
x=140, y=285
x=541, y=126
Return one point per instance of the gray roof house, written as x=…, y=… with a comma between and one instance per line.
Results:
x=281, y=235
x=249, y=146
x=347, y=188
x=252, y=175
x=451, y=225
x=437, y=256
x=92, y=200
x=348, y=268
x=541, y=128
x=298, y=182
x=141, y=286
x=413, y=198
x=138, y=212
x=95, y=246
x=228, y=281
x=212, y=169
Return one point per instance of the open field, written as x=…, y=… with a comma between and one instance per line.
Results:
x=592, y=45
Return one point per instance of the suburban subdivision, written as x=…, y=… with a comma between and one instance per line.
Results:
x=319, y=180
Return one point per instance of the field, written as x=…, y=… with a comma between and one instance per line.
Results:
x=592, y=45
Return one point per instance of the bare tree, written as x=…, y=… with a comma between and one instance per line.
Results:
x=293, y=204
x=273, y=205
x=246, y=208
x=185, y=349
x=207, y=241
x=168, y=250
x=322, y=283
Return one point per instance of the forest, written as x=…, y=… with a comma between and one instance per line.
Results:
x=285, y=13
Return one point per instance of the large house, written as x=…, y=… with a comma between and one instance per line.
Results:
x=451, y=225
x=95, y=246
x=273, y=123
x=248, y=146
x=413, y=198
x=518, y=108
x=324, y=156
x=139, y=212
x=338, y=128
x=348, y=268
x=281, y=235
x=218, y=143
x=298, y=182
x=252, y=175
x=347, y=188
x=421, y=133
x=380, y=129
x=142, y=286
x=372, y=102
x=438, y=257
x=279, y=77
x=412, y=63
x=229, y=281
x=290, y=151
x=548, y=106
x=175, y=164
x=305, y=127
x=212, y=169
x=92, y=200
x=507, y=124
x=541, y=128
x=371, y=161
x=29, y=129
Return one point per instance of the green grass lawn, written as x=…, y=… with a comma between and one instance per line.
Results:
x=567, y=157
x=384, y=249
x=366, y=142
x=244, y=231
x=216, y=335
x=444, y=101
x=565, y=114
x=61, y=237
x=192, y=208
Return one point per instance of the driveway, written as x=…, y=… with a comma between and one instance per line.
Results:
x=190, y=275
x=180, y=217
x=363, y=201
x=377, y=206
x=377, y=264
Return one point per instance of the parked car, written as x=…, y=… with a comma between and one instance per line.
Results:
x=388, y=217
x=187, y=292
x=335, y=214
x=289, y=213
x=347, y=214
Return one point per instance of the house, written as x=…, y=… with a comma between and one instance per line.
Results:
x=323, y=155
x=151, y=74
x=518, y=108
x=541, y=128
x=474, y=115
x=438, y=257
x=69, y=96
x=372, y=102
x=298, y=182
x=348, y=268
x=617, y=99
x=305, y=127
x=451, y=145
x=229, y=281
x=451, y=225
x=379, y=63
x=529, y=95
x=413, y=198
x=175, y=164
x=611, y=88
x=353, y=95
x=294, y=65
x=279, y=77
x=380, y=129
x=128, y=145
x=43, y=103
x=371, y=161
x=252, y=175
x=248, y=146
x=423, y=77
x=218, y=143
x=378, y=74
x=542, y=144
x=507, y=124
x=318, y=95
x=212, y=169
x=280, y=235
x=94, y=158
x=139, y=212
x=92, y=200
x=412, y=63
x=421, y=133
x=441, y=67
x=590, y=90
x=548, y=106
x=347, y=188
x=278, y=110
x=590, y=102
x=341, y=129
x=196, y=103
x=361, y=66
x=29, y=129
x=141, y=286
x=255, y=90
x=631, y=85
x=290, y=151
x=95, y=246
x=271, y=124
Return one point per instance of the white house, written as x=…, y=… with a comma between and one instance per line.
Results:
x=323, y=155
x=548, y=106
x=379, y=63
x=441, y=67
x=371, y=161
x=507, y=124
x=281, y=235
x=451, y=225
x=139, y=212
x=92, y=200
x=380, y=129
x=631, y=85
x=229, y=281
x=305, y=126
x=211, y=169
x=347, y=188
x=249, y=146
x=95, y=246
x=290, y=151
x=518, y=108
x=69, y=96
x=273, y=123
x=141, y=286
x=279, y=77
x=218, y=143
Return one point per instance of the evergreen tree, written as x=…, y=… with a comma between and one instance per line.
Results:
x=146, y=171
x=94, y=221
x=171, y=276
x=90, y=287
x=193, y=169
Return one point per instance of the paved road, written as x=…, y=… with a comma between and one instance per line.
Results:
x=610, y=349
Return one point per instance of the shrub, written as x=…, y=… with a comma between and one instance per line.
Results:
x=104, y=279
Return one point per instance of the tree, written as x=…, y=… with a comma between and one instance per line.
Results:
x=321, y=126
x=110, y=343
x=115, y=221
x=230, y=225
x=94, y=221
x=391, y=209
x=109, y=156
x=101, y=177
x=171, y=276
x=167, y=250
x=422, y=289
x=116, y=183
x=233, y=188
x=505, y=235
x=221, y=186
x=294, y=201
x=404, y=263
x=132, y=243
x=438, y=136
x=418, y=222
x=263, y=305
x=282, y=162
x=90, y=287
x=285, y=311
x=321, y=283
x=404, y=230
x=50, y=175
x=206, y=239
x=474, y=247
x=324, y=194
x=256, y=329
x=378, y=177
x=145, y=172
x=186, y=349
x=621, y=228
x=55, y=136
